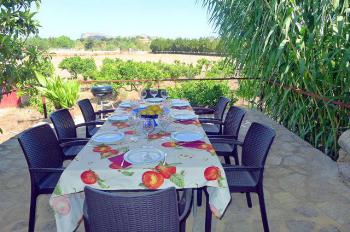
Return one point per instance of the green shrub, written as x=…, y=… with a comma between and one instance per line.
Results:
x=62, y=93
x=77, y=65
x=131, y=70
x=202, y=93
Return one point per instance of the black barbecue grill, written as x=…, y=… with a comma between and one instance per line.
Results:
x=102, y=91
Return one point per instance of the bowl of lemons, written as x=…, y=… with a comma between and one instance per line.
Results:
x=151, y=111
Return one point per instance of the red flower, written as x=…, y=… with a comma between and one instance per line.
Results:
x=152, y=179
x=212, y=173
x=120, y=125
x=89, y=177
x=165, y=170
x=102, y=148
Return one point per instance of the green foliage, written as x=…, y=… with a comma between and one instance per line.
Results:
x=77, y=65
x=220, y=69
x=304, y=44
x=62, y=93
x=202, y=93
x=202, y=45
x=16, y=24
x=132, y=70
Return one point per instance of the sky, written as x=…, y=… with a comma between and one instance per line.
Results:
x=161, y=18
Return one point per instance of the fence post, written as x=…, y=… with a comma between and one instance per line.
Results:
x=43, y=99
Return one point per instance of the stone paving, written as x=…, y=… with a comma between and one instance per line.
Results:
x=302, y=189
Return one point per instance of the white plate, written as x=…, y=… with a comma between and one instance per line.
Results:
x=125, y=105
x=108, y=137
x=186, y=136
x=154, y=99
x=144, y=156
x=118, y=118
x=180, y=103
x=183, y=116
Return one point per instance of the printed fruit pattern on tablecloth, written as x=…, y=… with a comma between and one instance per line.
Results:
x=105, y=151
x=158, y=135
x=130, y=132
x=188, y=122
x=61, y=205
x=155, y=178
x=120, y=125
x=90, y=177
x=213, y=173
x=195, y=144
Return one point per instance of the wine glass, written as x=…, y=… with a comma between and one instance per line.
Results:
x=143, y=94
x=148, y=126
x=164, y=94
x=164, y=122
x=154, y=92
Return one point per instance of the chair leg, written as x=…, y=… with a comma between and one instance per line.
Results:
x=199, y=197
x=227, y=159
x=249, y=200
x=183, y=226
x=263, y=210
x=208, y=214
x=32, y=210
x=235, y=156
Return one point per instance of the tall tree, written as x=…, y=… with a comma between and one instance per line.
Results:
x=18, y=62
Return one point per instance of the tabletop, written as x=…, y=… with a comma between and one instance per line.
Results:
x=103, y=166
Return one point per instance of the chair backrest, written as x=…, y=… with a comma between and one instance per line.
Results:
x=256, y=146
x=220, y=107
x=134, y=211
x=41, y=149
x=233, y=121
x=64, y=124
x=87, y=110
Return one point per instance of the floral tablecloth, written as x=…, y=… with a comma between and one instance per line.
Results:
x=187, y=165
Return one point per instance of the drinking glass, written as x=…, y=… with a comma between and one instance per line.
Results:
x=164, y=94
x=154, y=92
x=164, y=122
x=148, y=126
x=143, y=94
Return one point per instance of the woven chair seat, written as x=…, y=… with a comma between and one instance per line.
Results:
x=50, y=182
x=211, y=129
x=223, y=148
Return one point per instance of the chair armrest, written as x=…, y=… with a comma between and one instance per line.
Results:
x=63, y=140
x=210, y=120
x=203, y=110
x=185, y=201
x=224, y=140
x=104, y=111
x=46, y=170
x=222, y=137
x=237, y=168
x=74, y=143
x=89, y=123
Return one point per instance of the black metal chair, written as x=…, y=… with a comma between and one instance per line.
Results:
x=66, y=130
x=212, y=126
x=44, y=157
x=89, y=115
x=230, y=131
x=248, y=177
x=135, y=211
x=231, y=128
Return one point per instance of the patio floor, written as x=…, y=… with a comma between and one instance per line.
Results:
x=302, y=189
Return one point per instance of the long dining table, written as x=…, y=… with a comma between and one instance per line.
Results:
x=186, y=165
